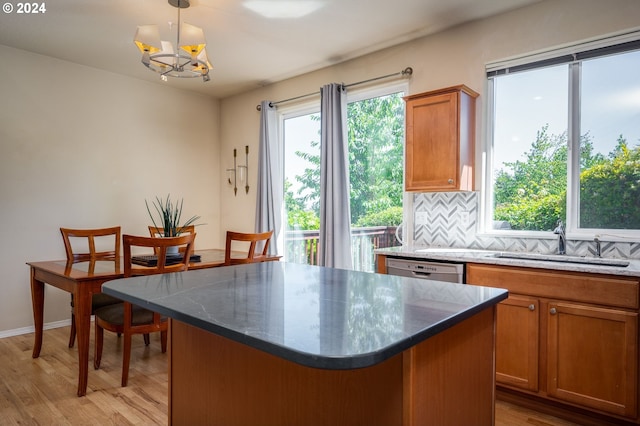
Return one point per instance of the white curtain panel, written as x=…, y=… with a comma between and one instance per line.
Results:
x=335, y=218
x=269, y=187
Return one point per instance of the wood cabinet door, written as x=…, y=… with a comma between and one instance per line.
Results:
x=593, y=357
x=440, y=135
x=432, y=142
x=517, y=333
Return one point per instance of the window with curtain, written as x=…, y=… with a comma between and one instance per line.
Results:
x=565, y=143
x=376, y=143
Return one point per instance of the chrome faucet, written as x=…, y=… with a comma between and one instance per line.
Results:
x=598, y=250
x=562, y=239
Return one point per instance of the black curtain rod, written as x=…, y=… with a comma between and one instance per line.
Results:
x=405, y=72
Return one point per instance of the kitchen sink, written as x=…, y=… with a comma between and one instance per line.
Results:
x=564, y=259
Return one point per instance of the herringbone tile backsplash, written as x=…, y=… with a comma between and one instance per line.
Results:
x=450, y=219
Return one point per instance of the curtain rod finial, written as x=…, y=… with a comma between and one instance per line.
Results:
x=407, y=71
x=259, y=106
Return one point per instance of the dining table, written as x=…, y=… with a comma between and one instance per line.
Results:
x=83, y=280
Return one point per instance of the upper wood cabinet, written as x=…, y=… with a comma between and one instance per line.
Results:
x=440, y=137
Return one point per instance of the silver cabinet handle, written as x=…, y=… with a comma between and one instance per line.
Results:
x=553, y=311
x=532, y=307
x=450, y=181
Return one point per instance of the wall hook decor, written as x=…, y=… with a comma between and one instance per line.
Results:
x=239, y=172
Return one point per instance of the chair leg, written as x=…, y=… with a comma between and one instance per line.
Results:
x=97, y=357
x=72, y=333
x=163, y=341
x=126, y=358
x=146, y=339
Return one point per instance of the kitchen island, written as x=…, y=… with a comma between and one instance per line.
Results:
x=286, y=344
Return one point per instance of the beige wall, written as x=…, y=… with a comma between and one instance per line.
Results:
x=85, y=148
x=81, y=147
x=456, y=56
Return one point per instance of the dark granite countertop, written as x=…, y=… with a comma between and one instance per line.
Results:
x=318, y=317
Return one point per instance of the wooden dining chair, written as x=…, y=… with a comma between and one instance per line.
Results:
x=254, y=241
x=129, y=319
x=158, y=232
x=90, y=245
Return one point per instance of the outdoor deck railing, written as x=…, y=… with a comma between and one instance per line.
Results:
x=302, y=246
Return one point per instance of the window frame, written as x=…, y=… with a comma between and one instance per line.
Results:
x=572, y=55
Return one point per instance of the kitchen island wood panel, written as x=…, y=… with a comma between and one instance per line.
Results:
x=214, y=380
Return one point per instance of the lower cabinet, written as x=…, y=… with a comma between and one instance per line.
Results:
x=517, y=332
x=554, y=342
x=592, y=357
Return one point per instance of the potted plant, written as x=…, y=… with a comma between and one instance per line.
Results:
x=170, y=215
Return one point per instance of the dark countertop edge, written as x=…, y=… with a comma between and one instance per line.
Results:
x=347, y=362
x=633, y=270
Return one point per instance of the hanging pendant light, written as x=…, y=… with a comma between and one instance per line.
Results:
x=188, y=60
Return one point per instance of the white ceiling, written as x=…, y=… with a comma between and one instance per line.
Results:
x=246, y=48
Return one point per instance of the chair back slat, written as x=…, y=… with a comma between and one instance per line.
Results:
x=160, y=247
x=70, y=235
x=158, y=232
x=254, y=240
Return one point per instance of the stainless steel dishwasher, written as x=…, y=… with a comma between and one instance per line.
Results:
x=426, y=269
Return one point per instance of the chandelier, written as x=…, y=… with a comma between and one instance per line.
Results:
x=189, y=60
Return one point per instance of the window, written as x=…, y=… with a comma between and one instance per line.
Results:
x=376, y=145
x=376, y=152
x=565, y=143
x=301, y=186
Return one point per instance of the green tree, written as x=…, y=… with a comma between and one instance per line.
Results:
x=610, y=190
x=297, y=216
x=375, y=134
x=309, y=192
x=531, y=194
x=388, y=217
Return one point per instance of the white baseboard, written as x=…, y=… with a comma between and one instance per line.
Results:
x=31, y=329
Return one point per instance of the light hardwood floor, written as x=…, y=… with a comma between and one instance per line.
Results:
x=42, y=391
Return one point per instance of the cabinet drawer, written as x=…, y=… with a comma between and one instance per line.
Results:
x=575, y=286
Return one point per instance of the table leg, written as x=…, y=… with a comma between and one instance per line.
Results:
x=82, y=298
x=37, y=301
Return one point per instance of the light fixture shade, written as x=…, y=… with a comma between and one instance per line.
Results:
x=203, y=58
x=147, y=38
x=192, y=39
x=242, y=173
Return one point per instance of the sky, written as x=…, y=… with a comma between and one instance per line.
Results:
x=299, y=133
